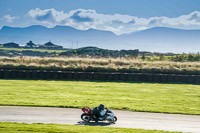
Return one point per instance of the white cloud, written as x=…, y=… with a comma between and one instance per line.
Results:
x=117, y=23
x=141, y=28
x=9, y=18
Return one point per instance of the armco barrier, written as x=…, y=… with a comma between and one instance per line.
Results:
x=65, y=75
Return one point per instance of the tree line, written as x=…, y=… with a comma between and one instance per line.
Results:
x=178, y=57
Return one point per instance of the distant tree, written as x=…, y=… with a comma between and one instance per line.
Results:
x=161, y=57
x=190, y=57
x=186, y=57
x=143, y=57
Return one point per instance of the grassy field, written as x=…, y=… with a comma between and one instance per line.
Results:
x=39, y=50
x=55, y=128
x=100, y=65
x=151, y=97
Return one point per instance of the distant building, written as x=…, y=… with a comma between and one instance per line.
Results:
x=30, y=44
x=50, y=45
x=11, y=45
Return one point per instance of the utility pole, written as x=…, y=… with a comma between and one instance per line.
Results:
x=72, y=44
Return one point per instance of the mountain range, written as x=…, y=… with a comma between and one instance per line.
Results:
x=158, y=39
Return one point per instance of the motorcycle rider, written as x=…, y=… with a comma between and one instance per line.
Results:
x=99, y=112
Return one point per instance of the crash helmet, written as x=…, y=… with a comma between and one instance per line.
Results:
x=101, y=107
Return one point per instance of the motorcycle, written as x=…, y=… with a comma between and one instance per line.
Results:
x=87, y=116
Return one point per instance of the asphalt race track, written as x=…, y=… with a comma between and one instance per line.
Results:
x=126, y=119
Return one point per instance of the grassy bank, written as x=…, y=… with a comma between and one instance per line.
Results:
x=152, y=97
x=55, y=128
x=100, y=65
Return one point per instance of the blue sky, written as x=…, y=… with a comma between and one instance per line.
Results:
x=118, y=16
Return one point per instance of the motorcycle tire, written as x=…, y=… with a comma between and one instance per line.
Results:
x=85, y=117
x=114, y=119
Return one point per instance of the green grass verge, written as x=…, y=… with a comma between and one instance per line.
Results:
x=55, y=128
x=38, y=50
x=151, y=97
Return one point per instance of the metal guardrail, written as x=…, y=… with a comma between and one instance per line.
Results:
x=102, y=76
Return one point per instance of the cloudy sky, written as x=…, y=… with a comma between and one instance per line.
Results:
x=118, y=16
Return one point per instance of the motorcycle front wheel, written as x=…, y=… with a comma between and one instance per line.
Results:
x=85, y=117
x=114, y=119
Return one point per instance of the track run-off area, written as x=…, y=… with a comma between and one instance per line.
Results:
x=126, y=119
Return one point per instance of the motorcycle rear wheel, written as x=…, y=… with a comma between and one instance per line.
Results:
x=85, y=117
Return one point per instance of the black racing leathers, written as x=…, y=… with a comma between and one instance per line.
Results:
x=96, y=113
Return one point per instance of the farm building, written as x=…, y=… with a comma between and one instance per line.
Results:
x=11, y=45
